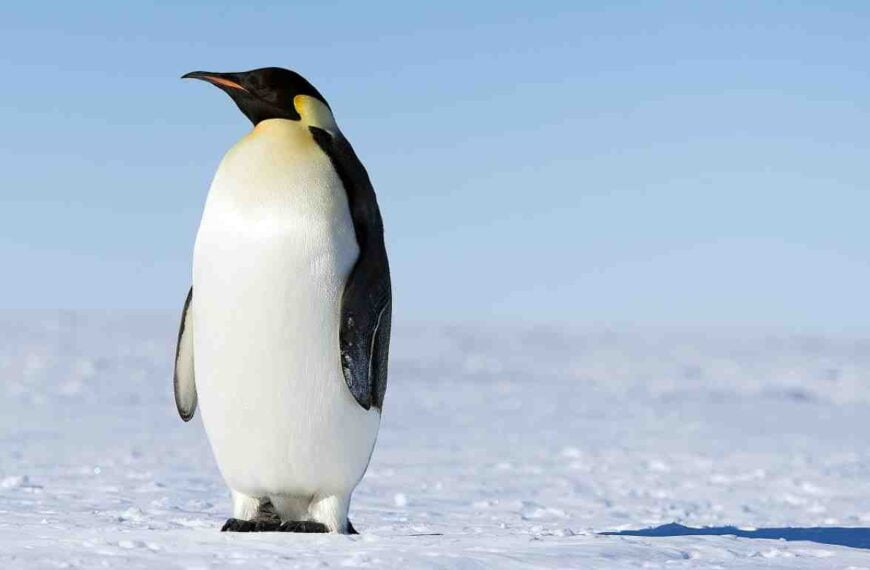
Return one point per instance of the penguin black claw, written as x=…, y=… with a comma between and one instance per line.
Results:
x=238, y=525
x=303, y=526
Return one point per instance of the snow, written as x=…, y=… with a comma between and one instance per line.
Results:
x=501, y=446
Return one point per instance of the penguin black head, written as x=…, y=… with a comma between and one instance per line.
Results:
x=266, y=93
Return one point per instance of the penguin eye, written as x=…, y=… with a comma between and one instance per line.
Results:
x=270, y=88
x=256, y=82
x=272, y=95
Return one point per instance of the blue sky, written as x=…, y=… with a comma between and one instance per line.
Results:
x=613, y=162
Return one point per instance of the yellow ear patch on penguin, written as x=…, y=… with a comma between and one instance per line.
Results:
x=314, y=113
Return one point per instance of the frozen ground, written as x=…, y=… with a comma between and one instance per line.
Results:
x=500, y=447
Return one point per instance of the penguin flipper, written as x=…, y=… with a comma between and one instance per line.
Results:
x=183, y=379
x=366, y=304
x=364, y=339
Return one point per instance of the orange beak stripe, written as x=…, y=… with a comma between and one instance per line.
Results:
x=224, y=82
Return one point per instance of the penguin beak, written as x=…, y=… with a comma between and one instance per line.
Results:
x=225, y=81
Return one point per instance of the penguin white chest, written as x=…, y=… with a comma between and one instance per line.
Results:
x=274, y=250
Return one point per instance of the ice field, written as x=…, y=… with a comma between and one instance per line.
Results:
x=501, y=446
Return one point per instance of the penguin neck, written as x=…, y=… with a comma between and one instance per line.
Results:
x=281, y=132
x=267, y=170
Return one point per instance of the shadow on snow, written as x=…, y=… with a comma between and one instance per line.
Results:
x=841, y=536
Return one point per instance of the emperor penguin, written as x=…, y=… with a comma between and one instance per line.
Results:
x=285, y=333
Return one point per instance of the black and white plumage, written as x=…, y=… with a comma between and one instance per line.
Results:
x=284, y=339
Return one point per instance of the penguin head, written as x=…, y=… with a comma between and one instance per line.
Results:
x=272, y=93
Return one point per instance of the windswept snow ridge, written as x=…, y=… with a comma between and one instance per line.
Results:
x=508, y=447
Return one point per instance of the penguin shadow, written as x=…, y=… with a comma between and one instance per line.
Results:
x=854, y=537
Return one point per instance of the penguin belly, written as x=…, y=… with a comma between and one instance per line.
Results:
x=273, y=252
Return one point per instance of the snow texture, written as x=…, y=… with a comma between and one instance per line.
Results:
x=508, y=447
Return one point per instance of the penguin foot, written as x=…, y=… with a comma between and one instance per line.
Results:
x=239, y=525
x=302, y=526
x=266, y=513
x=350, y=529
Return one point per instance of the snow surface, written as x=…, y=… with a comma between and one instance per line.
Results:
x=504, y=447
